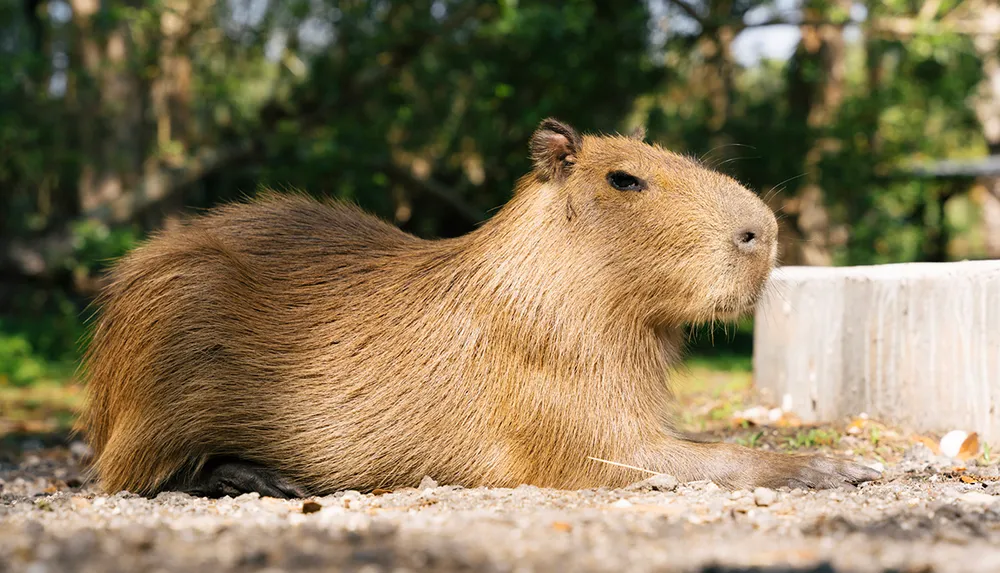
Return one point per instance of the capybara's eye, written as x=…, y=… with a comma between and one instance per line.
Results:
x=624, y=182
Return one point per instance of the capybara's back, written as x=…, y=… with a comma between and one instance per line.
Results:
x=291, y=346
x=238, y=334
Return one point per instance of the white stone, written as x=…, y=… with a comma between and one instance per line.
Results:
x=979, y=497
x=764, y=497
x=914, y=344
x=952, y=442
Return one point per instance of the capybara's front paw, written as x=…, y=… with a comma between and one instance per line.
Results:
x=815, y=471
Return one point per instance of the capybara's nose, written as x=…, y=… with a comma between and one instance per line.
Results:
x=749, y=239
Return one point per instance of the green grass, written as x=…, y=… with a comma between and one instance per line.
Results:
x=711, y=388
x=49, y=406
x=751, y=441
x=813, y=438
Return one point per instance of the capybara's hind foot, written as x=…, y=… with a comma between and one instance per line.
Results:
x=232, y=476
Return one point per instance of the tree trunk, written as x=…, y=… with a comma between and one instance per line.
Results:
x=875, y=75
x=110, y=103
x=82, y=93
x=987, y=106
x=816, y=97
x=715, y=46
x=990, y=206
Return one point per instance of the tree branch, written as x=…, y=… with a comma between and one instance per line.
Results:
x=442, y=192
x=160, y=182
x=781, y=21
x=929, y=9
x=43, y=258
x=689, y=10
x=895, y=26
x=907, y=27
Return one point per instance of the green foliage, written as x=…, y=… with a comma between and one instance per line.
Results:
x=96, y=245
x=421, y=111
x=43, y=331
x=40, y=336
x=462, y=107
x=18, y=362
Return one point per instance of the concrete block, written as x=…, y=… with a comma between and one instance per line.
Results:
x=915, y=344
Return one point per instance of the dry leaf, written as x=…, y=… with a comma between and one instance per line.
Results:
x=931, y=444
x=380, y=491
x=562, y=526
x=970, y=447
x=311, y=507
x=789, y=420
x=968, y=479
x=856, y=425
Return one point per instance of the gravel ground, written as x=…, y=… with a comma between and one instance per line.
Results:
x=926, y=515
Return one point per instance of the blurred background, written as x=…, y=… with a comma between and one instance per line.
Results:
x=868, y=125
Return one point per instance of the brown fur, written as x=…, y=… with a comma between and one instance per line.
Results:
x=322, y=342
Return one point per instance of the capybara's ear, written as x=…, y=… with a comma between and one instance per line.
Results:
x=638, y=133
x=554, y=146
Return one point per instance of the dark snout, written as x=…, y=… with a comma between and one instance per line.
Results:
x=756, y=233
x=749, y=239
x=755, y=239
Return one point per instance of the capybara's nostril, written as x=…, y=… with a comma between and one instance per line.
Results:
x=747, y=239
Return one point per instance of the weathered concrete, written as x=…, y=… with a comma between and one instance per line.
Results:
x=914, y=344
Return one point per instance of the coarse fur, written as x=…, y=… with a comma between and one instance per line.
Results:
x=313, y=340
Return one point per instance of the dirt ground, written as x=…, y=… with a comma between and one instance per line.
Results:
x=929, y=513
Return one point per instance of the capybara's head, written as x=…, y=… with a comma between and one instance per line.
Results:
x=687, y=243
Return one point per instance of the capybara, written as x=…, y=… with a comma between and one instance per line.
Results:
x=291, y=347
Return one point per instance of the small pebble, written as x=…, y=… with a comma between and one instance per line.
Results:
x=978, y=497
x=31, y=445
x=661, y=482
x=921, y=514
x=79, y=450
x=173, y=497
x=764, y=496
x=701, y=485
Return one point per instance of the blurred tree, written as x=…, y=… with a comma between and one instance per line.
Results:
x=117, y=115
x=817, y=83
x=986, y=39
x=418, y=111
x=949, y=36
x=439, y=121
